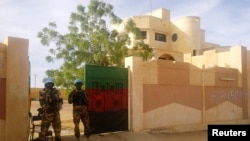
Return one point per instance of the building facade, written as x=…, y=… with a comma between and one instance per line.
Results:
x=189, y=82
x=170, y=39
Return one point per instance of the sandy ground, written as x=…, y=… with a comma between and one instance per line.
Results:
x=68, y=130
x=66, y=117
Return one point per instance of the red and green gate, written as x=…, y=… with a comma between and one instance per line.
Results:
x=107, y=89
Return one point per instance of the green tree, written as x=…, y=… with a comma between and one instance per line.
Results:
x=88, y=40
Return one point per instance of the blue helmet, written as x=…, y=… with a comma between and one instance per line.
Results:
x=48, y=80
x=77, y=81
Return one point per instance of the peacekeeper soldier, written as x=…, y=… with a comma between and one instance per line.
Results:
x=51, y=104
x=80, y=101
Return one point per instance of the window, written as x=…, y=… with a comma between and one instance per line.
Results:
x=174, y=37
x=195, y=52
x=142, y=35
x=160, y=37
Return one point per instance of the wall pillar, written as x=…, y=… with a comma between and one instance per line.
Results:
x=2, y=90
x=135, y=67
x=248, y=83
x=17, y=89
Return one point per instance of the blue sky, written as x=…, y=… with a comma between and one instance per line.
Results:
x=226, y=22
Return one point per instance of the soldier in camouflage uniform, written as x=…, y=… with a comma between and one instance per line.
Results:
x=80, y=101
x=51, y=104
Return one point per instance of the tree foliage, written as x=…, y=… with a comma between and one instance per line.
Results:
x=89, y=40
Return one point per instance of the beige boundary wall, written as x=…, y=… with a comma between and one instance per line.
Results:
x=14, y=90
x=179, y=96
x=34, y=93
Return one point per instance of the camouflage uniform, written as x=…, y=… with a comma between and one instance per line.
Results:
x=51, y=103
x=80, y=102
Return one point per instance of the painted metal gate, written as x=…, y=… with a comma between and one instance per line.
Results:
x=107, y=89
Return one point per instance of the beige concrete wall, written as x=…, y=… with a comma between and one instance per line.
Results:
x=2, y=90
x=171, y=105
x=196, y=76
x=2, y=130
x=224, y=104
x=248, y=82
x=135, y=95
x=2, y=60
x=170, y=78
x=207, y=45
x=153, y=25
x=221, y=59
x=160, y=13
x=181, y=94
x=2, y=108
x=189, y=34
x=34, y=93
x=16, y=100
x=177, y=56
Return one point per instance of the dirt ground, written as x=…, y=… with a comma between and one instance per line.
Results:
x=68, y=130
x=66, y=116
